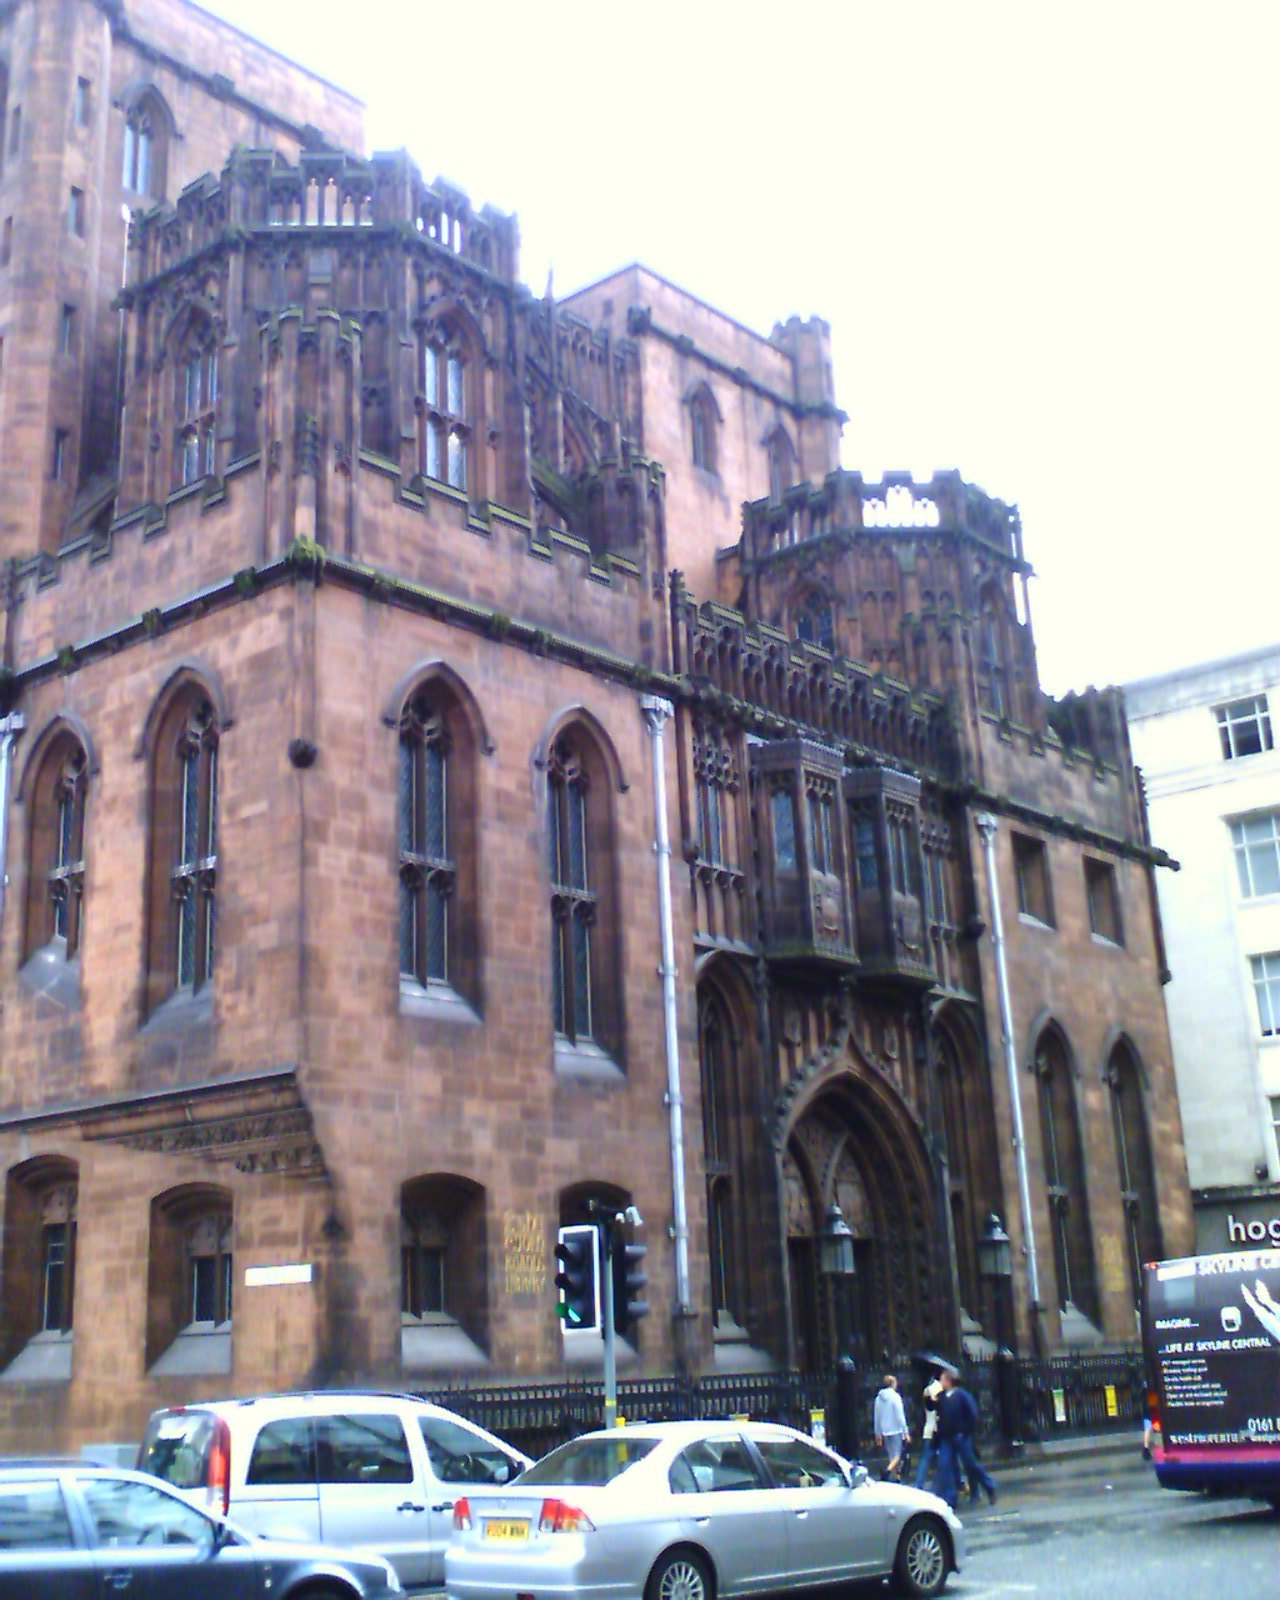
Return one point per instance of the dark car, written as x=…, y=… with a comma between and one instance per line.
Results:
x=77, y=1532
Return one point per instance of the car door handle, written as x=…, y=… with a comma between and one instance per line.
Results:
x=800, y=1511
x=119, y=1580
x=409, y=1505
x=445, y=1505
x=702, y=1521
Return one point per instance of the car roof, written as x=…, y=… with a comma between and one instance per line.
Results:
x=317, y=1400
x=692, y=1428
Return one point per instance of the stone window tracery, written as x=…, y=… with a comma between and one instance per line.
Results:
x=1134, y=1165
x=57, y=854
x=183, y=848
x=448, y=426
x=1064, y=1178
x=993, y=661
x=815, y=623
x=782, y=464
x=428, y=869
x=146, y=146
x=195, y=407
x=573, y=899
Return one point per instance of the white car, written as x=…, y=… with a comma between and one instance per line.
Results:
x=696, y=1511
x=371, y=1472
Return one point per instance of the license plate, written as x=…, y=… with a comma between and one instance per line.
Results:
x=506, y=1530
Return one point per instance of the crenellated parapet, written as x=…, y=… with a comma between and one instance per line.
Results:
x=774, y=684
x=925, y=581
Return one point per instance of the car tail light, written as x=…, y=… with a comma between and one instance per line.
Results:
x=462, y=1515
x=220, y=1468
x=560, y=1517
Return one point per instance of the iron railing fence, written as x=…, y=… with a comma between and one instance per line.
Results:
x=1058, y=1396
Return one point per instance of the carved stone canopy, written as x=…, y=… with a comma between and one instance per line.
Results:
x=258, y=1123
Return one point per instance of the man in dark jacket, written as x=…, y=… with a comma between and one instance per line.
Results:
x=957, y=1419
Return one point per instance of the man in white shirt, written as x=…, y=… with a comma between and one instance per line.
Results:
x=890, y=1423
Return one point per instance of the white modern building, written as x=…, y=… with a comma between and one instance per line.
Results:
x=1206, y=738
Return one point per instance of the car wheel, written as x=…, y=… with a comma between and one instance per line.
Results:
x=680, y=1575
x=922, y=1561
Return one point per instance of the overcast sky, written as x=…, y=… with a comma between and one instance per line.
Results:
x=1044, y=235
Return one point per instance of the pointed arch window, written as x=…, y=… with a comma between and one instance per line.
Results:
x=993, y=666
x=815, y=623
x=1135, y=1167
x=57, y=851
x=704, y=428
x=427, y=867
x=146, y=143
x=573, y=899
x=443, y=1296
x=190, y=1281
x=1065, y=1180
x=782, y=465
x=448, y=423
x=184, y=849
x=195, y=407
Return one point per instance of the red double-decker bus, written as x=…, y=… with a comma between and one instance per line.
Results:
x=1211, y=1331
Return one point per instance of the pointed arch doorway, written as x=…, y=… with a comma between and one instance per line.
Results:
x=855, y=1145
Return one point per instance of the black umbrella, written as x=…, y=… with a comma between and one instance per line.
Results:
x=928, y=1359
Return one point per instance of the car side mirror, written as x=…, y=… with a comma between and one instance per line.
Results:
x=857, y=1475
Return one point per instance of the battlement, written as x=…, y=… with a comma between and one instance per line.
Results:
x=330, y=190
x=845, y=505
x=778, y=684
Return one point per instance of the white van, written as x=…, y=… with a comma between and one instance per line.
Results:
x=372, y=1472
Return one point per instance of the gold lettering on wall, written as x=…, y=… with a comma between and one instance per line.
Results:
x=524, y=1253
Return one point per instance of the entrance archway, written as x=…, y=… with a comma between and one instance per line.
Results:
x=853, y=1142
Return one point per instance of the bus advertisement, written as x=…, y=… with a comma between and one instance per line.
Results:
x=1211, y=1331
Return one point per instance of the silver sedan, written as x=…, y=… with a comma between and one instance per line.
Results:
x=695, y=1511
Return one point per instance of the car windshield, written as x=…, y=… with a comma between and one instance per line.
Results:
x=589, y=1462
x=176, y=1448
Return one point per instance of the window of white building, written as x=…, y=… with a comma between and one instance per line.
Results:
x=1266, y=986
x=1257, y=846
x=1244, y=726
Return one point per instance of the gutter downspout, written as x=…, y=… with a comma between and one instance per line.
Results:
x=986, y=825
x=10, y=727
x=656, y=711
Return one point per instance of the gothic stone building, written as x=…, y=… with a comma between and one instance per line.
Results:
x=465, y=755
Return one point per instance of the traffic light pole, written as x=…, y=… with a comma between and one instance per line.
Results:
x=609, y=1331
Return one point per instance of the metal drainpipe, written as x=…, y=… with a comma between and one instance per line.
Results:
x=656, y=711
x=986, y=825
x=10, y=727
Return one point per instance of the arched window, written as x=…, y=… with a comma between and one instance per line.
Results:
x=782, y=464
x=1133, y=1160
x=993, y=664
x=146, y=146
x=443, y=1306
x=815, y=622
x=427, y=866
x=716, y=1057
x=190, y=1281
x=195, y=405
x=437, y=831
x=704, y=425
x=1064, y=1179
x=573, y=898
x=39, y=1267
x=184, y=848
x=56, y=855
x=583, y=916
x=448, y=430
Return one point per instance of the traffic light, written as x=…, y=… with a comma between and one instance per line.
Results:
x=629, y=1280
x=579, y=1302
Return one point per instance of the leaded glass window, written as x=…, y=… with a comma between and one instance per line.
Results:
x=428, y=869
x=193, y=877
x=573, y=900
